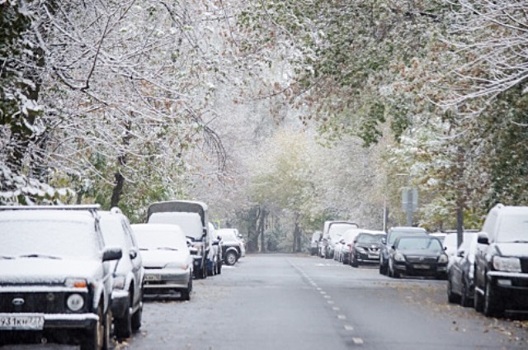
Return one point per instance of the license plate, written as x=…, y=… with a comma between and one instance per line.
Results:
x=152, y=278
x=373, y=256
x=9, y=322
x=422, y=267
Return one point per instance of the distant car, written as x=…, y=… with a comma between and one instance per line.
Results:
x=387, y=243
x=55, y=276
x=418, y=255
x=314, y=243
x=332, y=232
x=461, y=272
x=501, y=261
x=214, y=258
x=366, y=248
x=166, y=257
x=127, y=293
x=342, y=249
x=231, y=245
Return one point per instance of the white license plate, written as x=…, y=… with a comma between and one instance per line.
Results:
x=421, y=267
x=373, y=256
x=152, y=278
x=10, y=322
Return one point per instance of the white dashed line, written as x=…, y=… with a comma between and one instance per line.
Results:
x=357, y=341
x=349, y=327
x=330, y=301
x=341, y=317
x=335, y=308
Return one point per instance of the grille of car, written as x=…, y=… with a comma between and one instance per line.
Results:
x=44, y=302
x=421, y=259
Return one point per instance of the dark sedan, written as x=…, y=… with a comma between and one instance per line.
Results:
x=366, y=248
x=418, y=256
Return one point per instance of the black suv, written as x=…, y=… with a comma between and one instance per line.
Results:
x=501, y=261
x=55, y=277
x=231, y=245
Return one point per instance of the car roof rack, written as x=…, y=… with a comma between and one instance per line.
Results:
x=89, y=207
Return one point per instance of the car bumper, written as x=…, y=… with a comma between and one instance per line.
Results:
x=162, y=279
x=367, y=258
x=414, y=269
x=512, y=288
x=32, y=321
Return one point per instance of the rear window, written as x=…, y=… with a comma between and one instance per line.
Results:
x=190, y=223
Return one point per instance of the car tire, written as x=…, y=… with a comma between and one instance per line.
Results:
x=123, y=325
x=231, y=258
x=451, y=297
x=98, y=338
x=382, y=269
x=354, y=262
x=465, y=300
x=186, y=293
x=478, y=301
x=491, y=301
x=136, y=319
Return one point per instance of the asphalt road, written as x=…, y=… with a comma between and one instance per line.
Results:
x=301, y=302
x=288, y=302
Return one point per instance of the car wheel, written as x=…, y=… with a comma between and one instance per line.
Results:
x=491, y=307
x=123, y=325
x=478, y=302
x=98, y=337
x=231, y=258
x=136, y=319
x=382, y=268
x=465, y=300
x=186, y=293
x=354, y=262
x=451, y=297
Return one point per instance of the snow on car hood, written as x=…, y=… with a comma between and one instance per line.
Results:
x=513, y=249
x=160, y=258
x=48, y=271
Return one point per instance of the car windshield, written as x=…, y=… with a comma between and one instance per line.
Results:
x=369, y=238
x=190, y=223
x=513, y=228
x=48, y=238
x=153, y=238
x=395, y=234
x=113, y=232
x=227, y=235
x=420, y=243
x=337, y=230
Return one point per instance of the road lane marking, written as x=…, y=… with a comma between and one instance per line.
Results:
x=330, y=301
x=341, y=317
x=358, y=341
x=349, y=327
x=335, y=308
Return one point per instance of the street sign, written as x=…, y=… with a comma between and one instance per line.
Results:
x=409, y=199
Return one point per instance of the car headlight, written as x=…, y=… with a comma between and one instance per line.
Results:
x=174, y=265
x=399, y=257
x=443, y=259
x=75, y=302
x=507, y=264
x=119, y=282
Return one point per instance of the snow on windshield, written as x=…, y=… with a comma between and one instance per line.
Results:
x=48, y=237
x=337, y=230
x=190, y=223
x=113, y=232
x=151, y=236
x=513, y=227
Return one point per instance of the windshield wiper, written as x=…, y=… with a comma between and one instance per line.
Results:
x=167, y=248
x=40, y=256
x=6, y=257
x=520, y=241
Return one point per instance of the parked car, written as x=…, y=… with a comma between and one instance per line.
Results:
x=55, y=276
x=332, y=232
x=214, y=258
x=501, y=261
x=417, y=255
x=450, y=242
x=192, y=217
x=366, y=248
x=342, y=249
x=167, y=260
x=388, y=242
x=231, y=245
x=128, y=273
x=461, y=272
x=314, y=243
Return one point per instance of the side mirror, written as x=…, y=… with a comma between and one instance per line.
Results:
x=133, y=254
x=461, y=253
x=483, y=238
x=393, y=247
x=112, y=254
